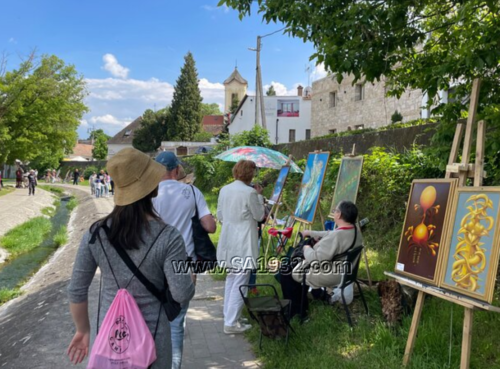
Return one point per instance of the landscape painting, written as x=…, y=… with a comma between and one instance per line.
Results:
x=472, y=247
x=280, y=184
x=424, y=230
x=347, y=181
x=310, y=188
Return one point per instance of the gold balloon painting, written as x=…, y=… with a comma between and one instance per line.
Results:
x=424, y=228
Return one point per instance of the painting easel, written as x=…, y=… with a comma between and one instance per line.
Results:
x=462, y=170
x=351, y=155
x=304, y=224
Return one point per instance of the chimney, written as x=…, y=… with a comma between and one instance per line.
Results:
x=299, y=90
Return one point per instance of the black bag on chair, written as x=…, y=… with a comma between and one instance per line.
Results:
x=298, y=251
x=203, y=245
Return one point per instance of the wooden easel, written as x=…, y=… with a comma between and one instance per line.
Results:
x=365, y=256
x=463, y=170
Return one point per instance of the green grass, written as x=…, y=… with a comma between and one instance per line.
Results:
x=72, y=203
x=26, y=236
x=327, y=341
x=53, y=189
x=6, y=190
x=61, y=237
x=49, y=211
x=8, y=294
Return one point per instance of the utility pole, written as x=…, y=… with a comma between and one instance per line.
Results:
x=259, y=94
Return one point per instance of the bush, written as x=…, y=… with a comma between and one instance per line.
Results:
x=89, y=170
x=396, y=117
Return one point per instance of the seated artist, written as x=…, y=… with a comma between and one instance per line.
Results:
x=330, y=244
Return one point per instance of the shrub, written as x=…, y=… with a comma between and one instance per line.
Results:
x=396, y=117
x=89, y=170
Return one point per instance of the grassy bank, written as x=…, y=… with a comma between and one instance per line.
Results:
x=8, y=294
x=327, y=341
x=26, y=236
x=6, y=190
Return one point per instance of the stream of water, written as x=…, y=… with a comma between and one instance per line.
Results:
x=13, y=273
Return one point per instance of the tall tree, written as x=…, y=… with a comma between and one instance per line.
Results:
x=153, y=130
x=271, y=91
x=41, y=104
x=98, y=132
x=210, y=109
x=425, y=44
x=100, y=150
x=186, y=103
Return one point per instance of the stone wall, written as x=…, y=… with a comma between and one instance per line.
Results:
x=398, y=139
x=346, y=112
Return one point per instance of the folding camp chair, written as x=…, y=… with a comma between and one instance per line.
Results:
x=272, y=314
x=350, y=260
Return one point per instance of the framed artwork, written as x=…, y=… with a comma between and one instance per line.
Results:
x=347, y=181
x=280, y=184
x=471, y=251
x=425, y=228
x=310, y=188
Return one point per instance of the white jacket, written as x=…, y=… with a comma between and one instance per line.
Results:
x=239, y=209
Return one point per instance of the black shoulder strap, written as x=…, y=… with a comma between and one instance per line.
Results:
x=195, y=203
x=136, y=271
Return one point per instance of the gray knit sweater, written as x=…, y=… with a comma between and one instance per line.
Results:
x=169, y=248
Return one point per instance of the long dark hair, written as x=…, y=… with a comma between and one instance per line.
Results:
x=127, y=222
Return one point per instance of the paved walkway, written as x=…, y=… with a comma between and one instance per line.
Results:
x=27, y=323
x=17, y=207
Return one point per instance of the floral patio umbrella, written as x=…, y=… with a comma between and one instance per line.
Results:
x=263, y=157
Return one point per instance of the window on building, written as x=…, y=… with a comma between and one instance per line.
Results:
x=128, y=133
x=308, y=134
x=241, y=112
x=331, y=131
x=333, y=99
x=359, y=92
x=359, y=126
x=291, y=135
x=234, y=97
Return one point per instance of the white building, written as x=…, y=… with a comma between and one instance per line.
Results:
x=288, y=118
x=124, y=138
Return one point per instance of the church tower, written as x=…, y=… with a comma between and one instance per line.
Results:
x=235, y=85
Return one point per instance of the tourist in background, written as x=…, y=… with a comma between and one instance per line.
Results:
x=76, y=177
x=32, y=182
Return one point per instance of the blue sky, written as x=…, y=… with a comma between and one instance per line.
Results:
x=131, y=52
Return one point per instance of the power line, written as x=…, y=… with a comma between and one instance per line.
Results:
x=272, y=33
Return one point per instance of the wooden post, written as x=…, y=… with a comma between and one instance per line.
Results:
x=368, y=274
x=478, y=170
x=459, y=133
x=474, y=99
x=466, y=338
x=410, y=344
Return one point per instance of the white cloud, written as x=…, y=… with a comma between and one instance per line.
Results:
x=211, y=8
x=115, y=102
x=107, y=119
x=319, y=72
x=12, y=40
x=112, y=66
x=281, y=89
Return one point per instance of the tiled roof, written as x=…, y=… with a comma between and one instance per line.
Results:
x=237, y=76
x=126, y=135
x=82, y=150
x=213, y=120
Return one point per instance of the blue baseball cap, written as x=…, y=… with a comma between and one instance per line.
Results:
x=168, y=159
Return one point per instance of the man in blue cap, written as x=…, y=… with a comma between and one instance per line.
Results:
x=176, y=204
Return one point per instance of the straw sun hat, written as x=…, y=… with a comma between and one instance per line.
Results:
x=135, y=175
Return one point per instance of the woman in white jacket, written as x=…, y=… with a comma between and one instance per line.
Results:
x=239, y=209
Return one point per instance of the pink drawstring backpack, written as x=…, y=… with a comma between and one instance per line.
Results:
x=124, y=340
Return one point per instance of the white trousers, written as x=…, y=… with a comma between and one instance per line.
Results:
x=233, y=302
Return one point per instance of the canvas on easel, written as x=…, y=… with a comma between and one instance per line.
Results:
x=310, y=188
x=472, y=248
x=424, y=228
x=346, y=188
x=280, y=184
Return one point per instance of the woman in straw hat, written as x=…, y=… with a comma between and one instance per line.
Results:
x=134, y=226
